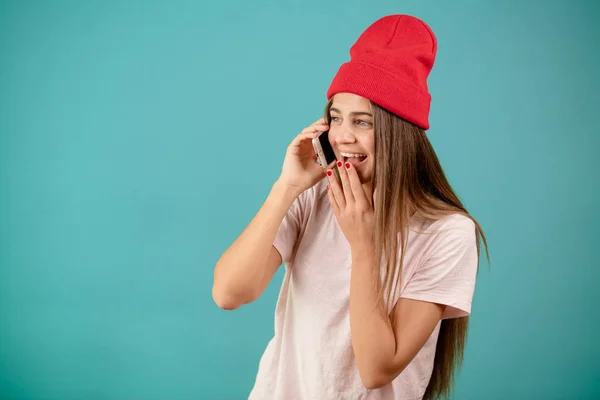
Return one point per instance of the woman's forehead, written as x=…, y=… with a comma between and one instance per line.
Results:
x=350, y=102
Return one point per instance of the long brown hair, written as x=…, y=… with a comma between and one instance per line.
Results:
x=409, y=178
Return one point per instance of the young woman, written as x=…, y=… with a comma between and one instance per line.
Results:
x=380, y=269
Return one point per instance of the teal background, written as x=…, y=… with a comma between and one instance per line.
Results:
x=138, y=139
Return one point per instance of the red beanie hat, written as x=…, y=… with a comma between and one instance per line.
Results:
x=389, y=65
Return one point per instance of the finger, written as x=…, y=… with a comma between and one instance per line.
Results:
x=357, y=189
x=302, y=137
x=332, y=202
x=316, y=128
x=338, y=194
x=320, y=124
x=345, y=183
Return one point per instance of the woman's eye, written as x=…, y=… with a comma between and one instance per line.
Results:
x=363, y=122
x=335, y=119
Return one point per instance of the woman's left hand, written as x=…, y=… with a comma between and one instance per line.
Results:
x=352, y=207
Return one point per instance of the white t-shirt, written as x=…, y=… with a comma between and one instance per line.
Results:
x=310, y=356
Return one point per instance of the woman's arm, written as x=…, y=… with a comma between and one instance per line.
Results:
x=382, y=351
x=248, y=265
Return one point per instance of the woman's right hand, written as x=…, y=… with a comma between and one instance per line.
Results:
x=300, y=169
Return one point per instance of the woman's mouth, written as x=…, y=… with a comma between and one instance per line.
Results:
x=356, y=159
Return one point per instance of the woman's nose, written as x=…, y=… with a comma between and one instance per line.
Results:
x=347, y=137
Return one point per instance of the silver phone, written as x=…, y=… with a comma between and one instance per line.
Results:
x=325, y=153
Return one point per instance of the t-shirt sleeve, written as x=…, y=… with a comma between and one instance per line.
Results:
x=447, y=276
x=289, y=230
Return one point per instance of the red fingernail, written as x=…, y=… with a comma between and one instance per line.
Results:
x=329, y=173
x=347, y=165
x=339, y=163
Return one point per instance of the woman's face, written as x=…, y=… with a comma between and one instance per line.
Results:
x=351, y=133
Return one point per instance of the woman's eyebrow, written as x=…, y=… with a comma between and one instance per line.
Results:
x=353, y=113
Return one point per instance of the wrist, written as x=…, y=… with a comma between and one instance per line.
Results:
x=284, y=191
x=362, y=252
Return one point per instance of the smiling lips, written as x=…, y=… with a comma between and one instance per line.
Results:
x=355, y=159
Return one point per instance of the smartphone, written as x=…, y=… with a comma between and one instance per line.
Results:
x=325, y=153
